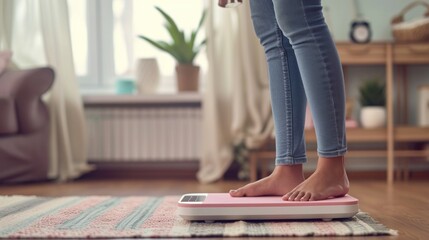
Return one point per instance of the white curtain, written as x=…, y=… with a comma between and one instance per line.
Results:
x=5, y=23
x=40, y=36
x=236, y=104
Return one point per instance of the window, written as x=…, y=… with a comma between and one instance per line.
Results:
x=105, y=38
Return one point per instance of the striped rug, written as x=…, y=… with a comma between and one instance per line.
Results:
x=126, y=217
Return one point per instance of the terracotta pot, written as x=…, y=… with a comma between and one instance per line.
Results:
x=187, y=77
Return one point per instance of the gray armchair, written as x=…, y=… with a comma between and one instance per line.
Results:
x=24, y=125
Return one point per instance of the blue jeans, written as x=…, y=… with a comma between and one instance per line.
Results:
x=303, y=65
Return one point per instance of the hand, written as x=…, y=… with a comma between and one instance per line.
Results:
x=229, y=3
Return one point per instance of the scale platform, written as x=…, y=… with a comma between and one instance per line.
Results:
x=221, y=206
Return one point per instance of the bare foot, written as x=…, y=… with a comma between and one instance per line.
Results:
x=329, y=180
x=283, y=179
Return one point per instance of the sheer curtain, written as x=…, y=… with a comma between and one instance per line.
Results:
x=5, y=23
x=39, y=35
x=236, y=104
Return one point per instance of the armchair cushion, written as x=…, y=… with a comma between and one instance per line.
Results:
x=24, y=88
x=8, y=121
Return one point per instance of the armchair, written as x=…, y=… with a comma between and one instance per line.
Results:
x=24, y=125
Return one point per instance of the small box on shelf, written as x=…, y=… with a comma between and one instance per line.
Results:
x=423, y=106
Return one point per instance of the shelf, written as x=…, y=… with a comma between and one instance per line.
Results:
x=401, y=134
x=416, y=53
x=270, y=155
x=411, y=153
x=375, y=53
x=361, y=54
x=355, y=135
x=411, y=134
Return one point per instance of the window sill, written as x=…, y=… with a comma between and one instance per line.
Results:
x=115, y=99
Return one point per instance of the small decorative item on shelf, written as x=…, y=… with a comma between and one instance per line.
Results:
x=184, y=50
x=424, y=106
x=349, y=108
x=350, y=122
x=414, y=30
x=125, y=85
x=147, y=75
x=360, y=29
x=373, y=101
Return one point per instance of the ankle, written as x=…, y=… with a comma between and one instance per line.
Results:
x=294, y=171
x=332, y=164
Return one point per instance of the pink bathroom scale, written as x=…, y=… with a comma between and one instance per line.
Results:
x=221, y=206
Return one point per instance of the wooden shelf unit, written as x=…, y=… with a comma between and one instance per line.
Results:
x=377, y=53
x=392, y=56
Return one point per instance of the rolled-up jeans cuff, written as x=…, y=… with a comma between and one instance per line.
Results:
x=291, y=160
x=336, y=153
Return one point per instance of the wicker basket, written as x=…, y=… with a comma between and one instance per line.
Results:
x=412, y=31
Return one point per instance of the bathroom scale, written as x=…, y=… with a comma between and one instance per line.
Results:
x=221, y=206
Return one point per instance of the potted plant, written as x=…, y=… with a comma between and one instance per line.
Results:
x=373, y=101
x=182, y=48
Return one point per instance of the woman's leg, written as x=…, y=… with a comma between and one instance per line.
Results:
x=302, y=22
x=288, y=105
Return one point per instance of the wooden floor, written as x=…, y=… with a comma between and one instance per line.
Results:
x=403, y=206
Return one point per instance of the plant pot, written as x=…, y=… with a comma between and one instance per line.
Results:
x=373, y=117
x=147, y=75
x=187, y=77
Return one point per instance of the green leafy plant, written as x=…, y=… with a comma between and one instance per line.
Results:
x=372, y=93
x=182, y=48
x=241, y=154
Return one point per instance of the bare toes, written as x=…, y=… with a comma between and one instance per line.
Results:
x=299, y=196
x=315, y=197
x=287, y=195
x=306, y=197
x=236, y=193
x=247, y=191
x=285, y=198
x=293, y=196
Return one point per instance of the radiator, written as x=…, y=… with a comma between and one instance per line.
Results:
x=139, y=133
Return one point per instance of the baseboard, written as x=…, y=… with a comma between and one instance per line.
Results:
x=188, y=170
x=149, y=170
